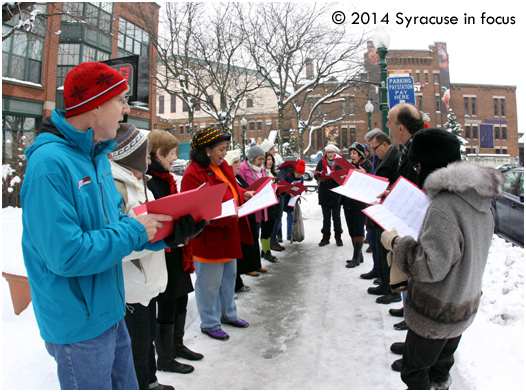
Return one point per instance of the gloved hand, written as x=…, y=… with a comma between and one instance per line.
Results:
x=389, y=238
x=199, y=228
x=183, y=228
x=397, y=277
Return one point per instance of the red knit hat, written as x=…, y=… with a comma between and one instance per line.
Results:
x=300, y=167
x=89, y=85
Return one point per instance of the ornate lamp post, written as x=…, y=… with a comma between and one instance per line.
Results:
x=369, y=110
x=381, y=42
x=244, y=135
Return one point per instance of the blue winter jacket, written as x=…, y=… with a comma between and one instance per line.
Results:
x=74, y=236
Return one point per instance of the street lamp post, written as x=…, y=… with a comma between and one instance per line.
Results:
x=369, y=110
x=381, y=43
x=244, y=135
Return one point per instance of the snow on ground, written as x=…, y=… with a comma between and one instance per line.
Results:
x=313, y=326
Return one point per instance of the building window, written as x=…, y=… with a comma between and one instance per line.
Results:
x=495, y=107
x=437, y=103
x=344, y=107
x=418, y=77
x=22, y=52
x=21, y=126
x=504, y=133
x=497, y=150
x=161, y=104
x=259, y=124
x=344, y=137
x=351, y=105
x=250, y=103
x=251, y=126
x=185, y=106
x=436, y=80
x=311, y=103
x=467, y=128
x=420, y=102
x=181, y=129
x=473, y=106
x=353, y=136
x=426, y=80
x=475, y=131
x=503, y=108
x=468, y=150
x=132, y=40
x=172, y=103
x=497, y=133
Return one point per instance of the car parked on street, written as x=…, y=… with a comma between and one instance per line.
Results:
x=505, y=168
x=178, y=169
x=508, y=210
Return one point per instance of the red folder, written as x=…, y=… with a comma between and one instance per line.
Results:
x=203, y=203
x=287, y=164
x=339, y=176
x=344, y=163
x=259, y=184
x=293, y=189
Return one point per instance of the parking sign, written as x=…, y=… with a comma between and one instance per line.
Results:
x=400, y=89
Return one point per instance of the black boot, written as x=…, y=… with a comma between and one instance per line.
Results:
x=270, y=257
x=179, y=349
x=357, y=257
x=164, y=347
x=338, y=237
x=325, y=239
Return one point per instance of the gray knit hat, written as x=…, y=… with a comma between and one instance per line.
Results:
x=133, y=149
x=254, y=150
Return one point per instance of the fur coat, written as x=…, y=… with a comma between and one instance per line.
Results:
x=447, y=262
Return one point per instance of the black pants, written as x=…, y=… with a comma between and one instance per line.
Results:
x=266, y=228
x=427, y=361
x=141, y=324
x=381, y=258
x=168, y=309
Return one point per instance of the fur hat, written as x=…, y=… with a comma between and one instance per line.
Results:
x=434, y=147
x=300, y=167
x=89, y=85
x=254, y=150
x=207, y=136
x=232, y=156
x=332, y=147
x=133, y=149
x=267, y=145
x=358, y=148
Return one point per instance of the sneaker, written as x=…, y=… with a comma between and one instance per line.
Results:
x=369, y=275
x=218, y=334
x=154, y=386
x=243, y=289
x=239, y=323
x=397, y=312
x=442, y=385
x=397, y=365
x=389, y=298
x=398, y=348
x=277, y=247
x=377, y=290
x=401, y=326
x=270, y=257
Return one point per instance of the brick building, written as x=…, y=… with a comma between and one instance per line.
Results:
x=35, y=63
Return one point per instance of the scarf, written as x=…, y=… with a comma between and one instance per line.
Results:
x=328, y=164
x=188, y=259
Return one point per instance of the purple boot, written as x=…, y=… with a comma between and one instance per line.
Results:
x=218, y=334
x=239, y=323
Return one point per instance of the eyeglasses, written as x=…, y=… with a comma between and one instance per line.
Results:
x=374, y=148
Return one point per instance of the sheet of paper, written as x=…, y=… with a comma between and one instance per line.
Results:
x=292, y=201
x=403, y=209
x=228, y=208
x=266, y=197
x=362, y=187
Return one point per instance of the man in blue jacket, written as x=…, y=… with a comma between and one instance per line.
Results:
x=74, y=236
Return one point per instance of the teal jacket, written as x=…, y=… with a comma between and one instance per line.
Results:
x=74, y=236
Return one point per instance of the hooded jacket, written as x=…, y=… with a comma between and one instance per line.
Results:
x=74, y=236
x=145, y=274
x=447, y=262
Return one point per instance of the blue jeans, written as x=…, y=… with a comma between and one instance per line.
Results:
x=214, y=293
x=104, y=362
x=277, y=222
x=290, y=219
x=335, y=211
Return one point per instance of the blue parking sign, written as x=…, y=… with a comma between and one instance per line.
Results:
x=400, y=89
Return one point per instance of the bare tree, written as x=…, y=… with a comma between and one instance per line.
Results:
x=282, y=38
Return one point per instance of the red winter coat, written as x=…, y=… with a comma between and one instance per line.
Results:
x=222, y=237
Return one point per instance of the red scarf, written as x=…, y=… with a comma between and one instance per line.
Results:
x=188, y=258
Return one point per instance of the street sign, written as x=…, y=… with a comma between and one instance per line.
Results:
x=400, y=89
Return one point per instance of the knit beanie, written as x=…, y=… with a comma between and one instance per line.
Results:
x=267, y=145
x=89, y=85
x=133, y=149
x=254, y=150
x=358, y=148
x=434, y=147
x=207, y=136
x=300, y=167
x=232, y=156
x=332, y=147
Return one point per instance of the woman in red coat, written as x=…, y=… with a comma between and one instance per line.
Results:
x=215, y=251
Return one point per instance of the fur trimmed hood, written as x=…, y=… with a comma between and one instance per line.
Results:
x=460, y=177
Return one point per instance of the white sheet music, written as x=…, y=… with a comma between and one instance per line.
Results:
x=292, y=201
x=362, y=187
x=403, y=209
x=266, y=197
x=228, y=208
